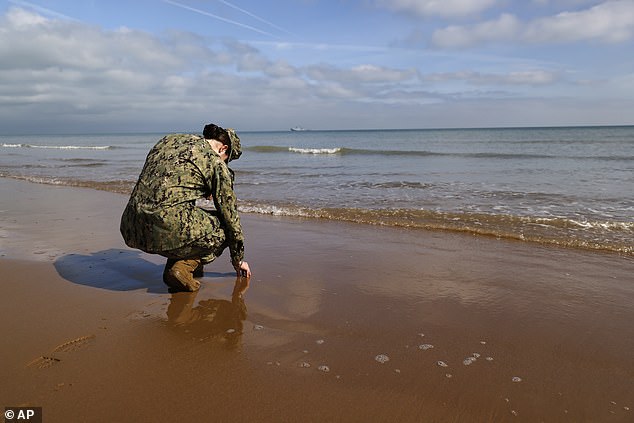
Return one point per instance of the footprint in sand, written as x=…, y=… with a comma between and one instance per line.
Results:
x=46, y=361
x=74, y=344
x=43, y=362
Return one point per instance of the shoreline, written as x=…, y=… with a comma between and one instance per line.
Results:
x=546, y=332
x=515, y=228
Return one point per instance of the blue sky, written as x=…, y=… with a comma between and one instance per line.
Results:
x=173, y=65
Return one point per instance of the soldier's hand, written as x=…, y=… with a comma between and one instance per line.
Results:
x=244, y=269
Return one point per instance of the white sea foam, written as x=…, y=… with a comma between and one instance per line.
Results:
x=59, y=147
x=621, y=226
x=276, y=210
x=334, y=150
x=382, y=358
x=390, y=188
x=72, y=147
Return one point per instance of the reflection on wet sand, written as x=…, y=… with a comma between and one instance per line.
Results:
x=211, y=318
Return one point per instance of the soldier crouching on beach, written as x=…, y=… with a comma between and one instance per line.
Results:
x=162, y=216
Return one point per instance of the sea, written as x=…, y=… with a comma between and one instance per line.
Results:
x=571, y=187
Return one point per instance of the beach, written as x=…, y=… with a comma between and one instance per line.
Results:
x=340, y=322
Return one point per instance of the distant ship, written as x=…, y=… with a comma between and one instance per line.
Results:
x=298, y=129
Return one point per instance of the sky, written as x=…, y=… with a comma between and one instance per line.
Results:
x=174, y=65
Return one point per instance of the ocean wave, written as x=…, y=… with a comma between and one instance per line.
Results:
x=301, y=150
x=117, y=186
x=329, y=150
x=390, y=185
x=594, y=235
x=71, y=164
x=266, y=149
x=600, y=234
x=60, y=147
x=333, y=150
x=423, y=153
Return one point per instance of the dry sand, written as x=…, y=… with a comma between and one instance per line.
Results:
x=340, y=322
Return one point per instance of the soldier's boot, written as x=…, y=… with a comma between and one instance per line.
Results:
x=168, y=266
x=200, y=270
x=198, y=273
x=178, y=275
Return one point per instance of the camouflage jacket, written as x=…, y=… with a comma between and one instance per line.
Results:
x=161, y=215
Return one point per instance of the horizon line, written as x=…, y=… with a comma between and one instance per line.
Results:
x=466, y=128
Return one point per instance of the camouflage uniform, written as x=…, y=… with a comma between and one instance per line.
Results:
x=161, y=216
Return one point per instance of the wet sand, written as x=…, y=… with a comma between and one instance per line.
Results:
x=340, y=322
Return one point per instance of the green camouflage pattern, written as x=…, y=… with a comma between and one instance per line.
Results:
x=161, y=216
x=236, y=149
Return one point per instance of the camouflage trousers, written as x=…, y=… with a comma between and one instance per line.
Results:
x=205, y=249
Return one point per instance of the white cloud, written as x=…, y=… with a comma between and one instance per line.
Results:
x=21, y=19
x=40, y=10
x=372, y=73
x=65, y=75
x=68, y=74
x=505, y=27
x=281, y=69
x=360, y=74
x=564, y=3
x=525, y=77
x=531, y=77
x=611, y=22
x=445, y=8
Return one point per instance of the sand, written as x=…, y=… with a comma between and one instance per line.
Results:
x=340, y=322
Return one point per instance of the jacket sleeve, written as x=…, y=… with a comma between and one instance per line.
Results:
x=226, y=203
